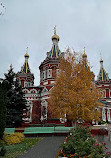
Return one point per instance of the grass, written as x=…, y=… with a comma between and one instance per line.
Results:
x=15, y=150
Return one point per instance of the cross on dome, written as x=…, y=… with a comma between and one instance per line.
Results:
x=55, y=30
x=26, y=55
x=84, y=54
x=55, y=36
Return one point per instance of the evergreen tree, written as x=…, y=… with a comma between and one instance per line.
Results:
x=15, y=101
x=2, y=108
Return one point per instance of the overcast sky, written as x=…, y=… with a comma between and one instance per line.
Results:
x=30, y=23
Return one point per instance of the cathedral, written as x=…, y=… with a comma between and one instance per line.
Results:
x=37, y=96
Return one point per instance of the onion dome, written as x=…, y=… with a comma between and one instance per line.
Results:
x=26, y=55
x=84, y=55
x=102, y=73
x=55, y=51
x=55, y=36
x=101, y=60
x=25, y=67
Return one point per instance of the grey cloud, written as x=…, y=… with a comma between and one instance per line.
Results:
x=30, y=23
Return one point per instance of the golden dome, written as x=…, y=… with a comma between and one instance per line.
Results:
x=26, y=55
x=84, y=55
x=55, y=37
x=101, y=60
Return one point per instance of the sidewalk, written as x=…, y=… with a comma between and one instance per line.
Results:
x=46, y=148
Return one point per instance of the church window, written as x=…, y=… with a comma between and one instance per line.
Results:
x=32, y=91
x=110, y=93
x=25, y=84
x=57, y=72
x=49, y=73
x=107, y=93
x=22, y=83
x=104, y=94
x=54, y=71
x=46, y=72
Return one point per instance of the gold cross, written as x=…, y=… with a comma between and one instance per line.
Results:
x=55, y=30
x=27, y=50
x=84, y=49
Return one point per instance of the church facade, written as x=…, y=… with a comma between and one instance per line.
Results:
x=104, y=83
x=37, y=96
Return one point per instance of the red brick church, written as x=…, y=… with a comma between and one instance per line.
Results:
x=104, y=83
x=37, y=96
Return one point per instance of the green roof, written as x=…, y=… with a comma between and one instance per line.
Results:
x=26, y=68
x=55, y=52
x=104, y=102
x=102, y=74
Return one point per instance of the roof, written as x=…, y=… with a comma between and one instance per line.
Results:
x=102, y=73
x=55, y=52
x=104, y=102
x=25, y=67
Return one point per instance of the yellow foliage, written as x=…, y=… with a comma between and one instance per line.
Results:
x=13, y=138
x=74, y=91
x=19, y=135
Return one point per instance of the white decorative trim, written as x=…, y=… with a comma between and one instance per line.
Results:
x=104, y=93
x=33, y=90
x=99, y=85
x=108, y=115
x=44, y=105
x=44, y=75
x=109, y=93
x=45, y=83
x=106, y=85
x=103, y=114
x=49, y=73
x=52, y=82
x=57, y=72
x=25, y=90
x=46, y=97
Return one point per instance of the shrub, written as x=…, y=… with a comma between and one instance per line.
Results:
x=13, y=138
x=2, y=151
x=82, y=144
x=19, y=135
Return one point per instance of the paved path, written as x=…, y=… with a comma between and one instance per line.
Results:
x=46, y=148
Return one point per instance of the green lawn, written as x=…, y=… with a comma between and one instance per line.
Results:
x=15, y=150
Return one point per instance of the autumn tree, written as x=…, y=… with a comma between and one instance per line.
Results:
x=75, y=93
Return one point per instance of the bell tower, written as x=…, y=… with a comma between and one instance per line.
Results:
x=25, y=77
x=49, y=68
